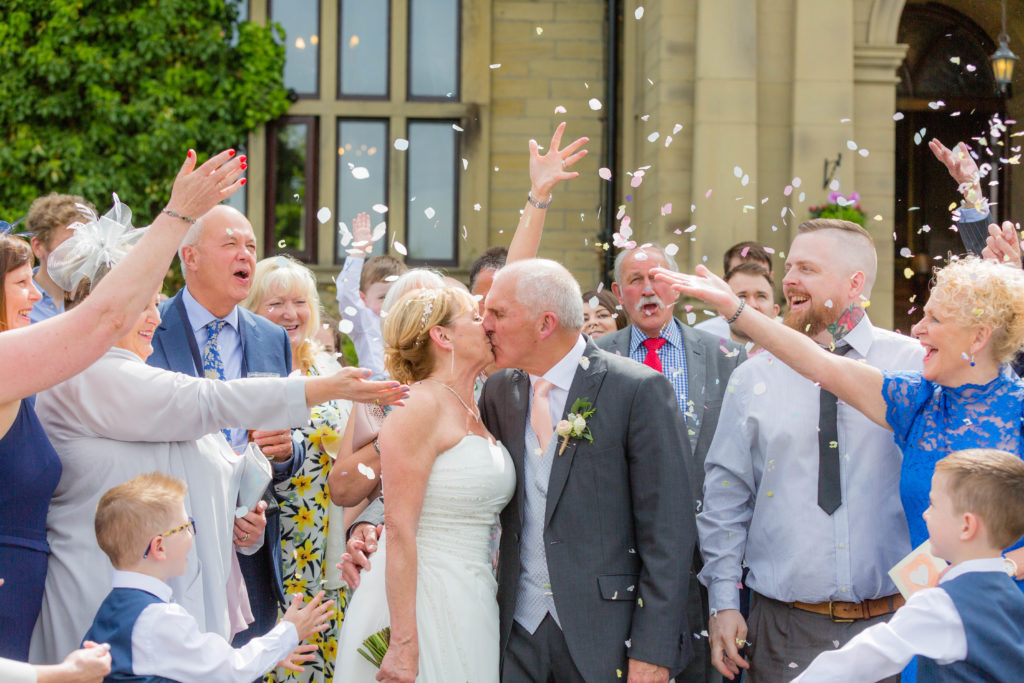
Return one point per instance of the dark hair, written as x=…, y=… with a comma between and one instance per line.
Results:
x=47, y=215
x=492, y=259
x=608, y=301
x=753, y=252
x=751, y=268
x=14, y=253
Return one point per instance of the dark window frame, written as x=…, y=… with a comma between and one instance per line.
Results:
x=453, y=262
x=311, y=173
x=339, y=254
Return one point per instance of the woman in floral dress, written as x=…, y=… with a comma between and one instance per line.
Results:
x=312, y=533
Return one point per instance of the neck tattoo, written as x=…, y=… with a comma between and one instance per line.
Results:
x=474, y=413
x=848, y=320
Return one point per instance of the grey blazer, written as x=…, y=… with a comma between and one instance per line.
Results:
x=619, y=526
x=707, y=375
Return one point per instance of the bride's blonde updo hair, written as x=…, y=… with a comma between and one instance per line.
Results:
x=406, y=329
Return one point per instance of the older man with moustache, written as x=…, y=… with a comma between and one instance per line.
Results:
x=811, y=506
x=205, y=333
x=697, y=363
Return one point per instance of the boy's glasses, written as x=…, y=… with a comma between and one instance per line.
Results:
x=190, y=523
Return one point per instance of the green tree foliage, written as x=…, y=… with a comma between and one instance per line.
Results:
x=101, y=96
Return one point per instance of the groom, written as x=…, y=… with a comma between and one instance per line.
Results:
x=590, y=578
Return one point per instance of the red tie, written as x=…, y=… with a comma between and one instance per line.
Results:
x=652, y=346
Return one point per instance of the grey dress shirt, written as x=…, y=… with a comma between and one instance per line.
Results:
x=760, y=489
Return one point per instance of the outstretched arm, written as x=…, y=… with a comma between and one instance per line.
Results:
x=52, y=351
x=856, y=383
x=545, y=172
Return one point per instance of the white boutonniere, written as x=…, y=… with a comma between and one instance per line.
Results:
x=575, y=426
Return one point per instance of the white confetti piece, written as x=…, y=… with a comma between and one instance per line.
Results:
x=676, y=128
x=539, y=30
x=360, y=173
x=429, y=212
x=465, y=164
x=350, y=310
x=584, y=361
x=760, y=388
x=851, y=145
x=282, y=244
x=863, y=151
x=495, y=66
x=457, y=128
x=346, y=326
x=400, y=248
x=323, y=215
x=595, y=103
x=828, y=303
x=378, y=231
x=346, y=236
x=639, y=13
x=737, y=171
x=366, y=471
x=898, y=116
x=380, y=208
x=559, y=109
x=476, y=207
x=401, y=144
x=797, y=182
x=672, y=249
x=605, y=173
x=653, y=136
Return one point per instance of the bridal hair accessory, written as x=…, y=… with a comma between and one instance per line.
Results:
x=575, y=425
x=98, y=243
x=8, y=229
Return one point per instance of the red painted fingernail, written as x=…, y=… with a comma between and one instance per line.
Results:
x=244, y=166
x=231, y=153
x=242, y=158
x=191, y=154
x=243, y=181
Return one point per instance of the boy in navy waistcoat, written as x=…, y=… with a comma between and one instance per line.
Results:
x=971, y=626
x=143, y=528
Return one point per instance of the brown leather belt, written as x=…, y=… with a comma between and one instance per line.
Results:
x=844, y=612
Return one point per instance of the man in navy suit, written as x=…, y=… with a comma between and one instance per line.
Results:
x=218, y=259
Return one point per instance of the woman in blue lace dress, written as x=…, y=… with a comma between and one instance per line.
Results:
x=965, y=397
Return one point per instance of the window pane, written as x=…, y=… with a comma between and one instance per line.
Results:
x=363, y=47
x=291, y=148
x=433, y=48
x=300, y=20
x=432, y=178
x=361, y=145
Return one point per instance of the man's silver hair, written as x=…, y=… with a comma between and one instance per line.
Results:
x=545, y=285
x=653, y=246
x=195, y=231
x=415, y=278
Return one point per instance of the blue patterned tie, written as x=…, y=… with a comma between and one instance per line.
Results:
x=213, y=366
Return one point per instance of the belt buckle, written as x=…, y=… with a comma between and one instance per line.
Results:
x=834, y=618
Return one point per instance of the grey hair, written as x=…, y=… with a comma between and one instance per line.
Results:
x=670, y=262
x=545, y=285
x=195, y=231
x=415, y=278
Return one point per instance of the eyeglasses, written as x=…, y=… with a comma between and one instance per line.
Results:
x=190, y=523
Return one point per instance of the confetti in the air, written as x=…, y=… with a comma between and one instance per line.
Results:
x=429, y=212
x=605, y=173
x=359, y=172
x=346, y=326
x=595, y=103
x=323, y=215
x=559, y=109
x=495, y=66
x=400, y=248
x=666, y=209
x=672, y=249
x=401, y=144
x=639, y=13
x=380, y=208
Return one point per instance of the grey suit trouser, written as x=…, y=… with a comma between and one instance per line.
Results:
x=539, y=657
x=785, y=640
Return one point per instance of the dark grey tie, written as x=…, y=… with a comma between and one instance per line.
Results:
x=830, y=495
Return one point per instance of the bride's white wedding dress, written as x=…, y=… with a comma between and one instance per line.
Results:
x=456, y=611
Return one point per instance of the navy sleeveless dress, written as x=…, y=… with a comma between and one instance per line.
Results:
x=29, y=472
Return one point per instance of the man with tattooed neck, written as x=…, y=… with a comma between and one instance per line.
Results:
x=804, y=491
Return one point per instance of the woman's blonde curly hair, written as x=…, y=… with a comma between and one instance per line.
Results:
x=406, y=329
x=976, y=292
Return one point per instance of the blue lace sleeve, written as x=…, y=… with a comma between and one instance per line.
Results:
x=904, y=392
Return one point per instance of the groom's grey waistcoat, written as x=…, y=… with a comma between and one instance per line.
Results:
x=617, y=529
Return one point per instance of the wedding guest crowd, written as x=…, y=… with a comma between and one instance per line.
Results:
x=181, y=474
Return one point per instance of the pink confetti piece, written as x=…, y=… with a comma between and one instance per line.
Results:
x=604, y=173
x=666, y=209
x=559, y=109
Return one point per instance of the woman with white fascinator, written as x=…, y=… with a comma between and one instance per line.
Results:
x=120, y=418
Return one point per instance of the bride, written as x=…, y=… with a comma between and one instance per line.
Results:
x=446, y=482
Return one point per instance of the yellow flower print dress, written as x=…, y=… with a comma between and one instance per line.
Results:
x=306, y=520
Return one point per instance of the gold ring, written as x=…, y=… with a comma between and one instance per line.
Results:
x=740, y=642
x=245, y=538
x=377, y=401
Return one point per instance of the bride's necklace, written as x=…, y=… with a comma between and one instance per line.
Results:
x=474, y=413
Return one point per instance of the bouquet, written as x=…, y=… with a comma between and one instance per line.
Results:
x=376, y=646
x=839, y=206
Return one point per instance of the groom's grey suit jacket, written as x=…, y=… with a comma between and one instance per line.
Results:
x=619, y=518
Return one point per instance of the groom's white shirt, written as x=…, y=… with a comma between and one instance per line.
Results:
x=561, y=375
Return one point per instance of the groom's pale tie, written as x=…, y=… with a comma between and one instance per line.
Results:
x=540, y=414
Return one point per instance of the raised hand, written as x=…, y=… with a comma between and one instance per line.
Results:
x=1003, y=244
x=295, y=659
x=309, y=618
x=728, y=633
x=550, y=169
x=961, y=166
x=197, y=190
x=351, y=383
x=704, y=285
x=362, y=234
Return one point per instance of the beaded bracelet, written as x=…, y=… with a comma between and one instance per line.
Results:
x=539, y=205
x=175, y=214
x=743, y=303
